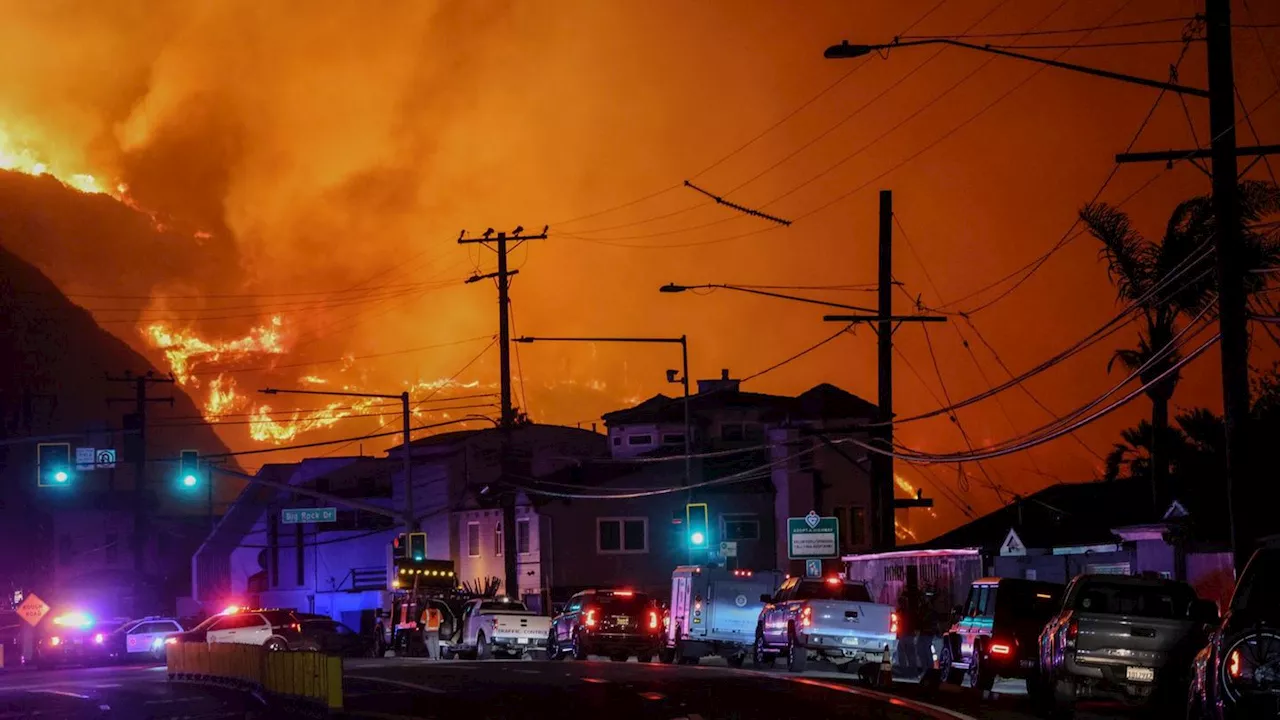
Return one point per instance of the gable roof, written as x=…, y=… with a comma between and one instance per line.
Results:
x=824, y=401
x=1062, y=514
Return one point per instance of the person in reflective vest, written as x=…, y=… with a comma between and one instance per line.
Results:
x=431, y=619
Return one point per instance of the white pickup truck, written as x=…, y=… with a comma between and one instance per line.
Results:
x=827, y=618
x=492, y=627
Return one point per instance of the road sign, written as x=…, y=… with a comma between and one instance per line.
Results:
x=813, y=568
x=812, y=536
x=296, y=516
x=95, y=458
x=33, y=610
x=729, y=548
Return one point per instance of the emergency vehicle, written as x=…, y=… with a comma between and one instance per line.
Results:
x=714, y=612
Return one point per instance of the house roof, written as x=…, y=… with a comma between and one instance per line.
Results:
x=823, y=401
x=1063, y=514
x=452, y=437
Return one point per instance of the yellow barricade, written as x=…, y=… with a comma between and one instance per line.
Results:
x=308, y=677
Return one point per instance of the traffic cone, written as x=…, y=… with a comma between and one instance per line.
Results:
x=885, y=677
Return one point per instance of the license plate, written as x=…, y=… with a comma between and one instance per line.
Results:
x=522, y=641
x=1140, y=674
x=850, y=641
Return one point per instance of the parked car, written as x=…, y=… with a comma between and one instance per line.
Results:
x=501, y=626
x=617, y=623
x=714, y=611
x=829, y=618
x=326, y=636
x=1237, y=674
x=72, y=638
x=1120, y=637
x=142, y=639
x=996, y=633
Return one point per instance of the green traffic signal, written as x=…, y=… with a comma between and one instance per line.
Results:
x=53, y=464
x=696, y=522
x=418, y=546
x=188, y=468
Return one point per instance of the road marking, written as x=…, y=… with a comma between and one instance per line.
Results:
x=64, y=693
x=935, y=711
x=398, y=683
x=104, y=686
x=652, y=696
x=598, y=681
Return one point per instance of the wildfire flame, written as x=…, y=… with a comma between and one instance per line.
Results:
x=264, y=428
x=16, y=157
x=184, y=350
x=910, y=490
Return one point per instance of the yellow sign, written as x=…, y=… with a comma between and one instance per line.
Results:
x=33, y=610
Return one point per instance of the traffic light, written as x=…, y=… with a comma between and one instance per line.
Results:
x=400, y=547
x=53, y=464
x=189, y=468
x=696, y=522
x=417, y=547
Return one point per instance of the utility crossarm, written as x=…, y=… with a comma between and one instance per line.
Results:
x=308, y=492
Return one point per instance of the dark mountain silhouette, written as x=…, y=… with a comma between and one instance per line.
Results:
x=54, y=360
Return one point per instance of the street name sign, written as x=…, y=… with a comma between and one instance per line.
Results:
x=812, y=536
x=729, y=548
x=297, y=516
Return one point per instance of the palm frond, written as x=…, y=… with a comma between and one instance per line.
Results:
x=1129, y=256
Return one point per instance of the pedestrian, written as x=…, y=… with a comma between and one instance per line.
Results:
x=431, y=619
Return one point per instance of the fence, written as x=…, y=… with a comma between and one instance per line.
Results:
x=307, y=678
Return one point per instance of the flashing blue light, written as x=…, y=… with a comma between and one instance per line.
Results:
x=60, y=476
x=189, y=480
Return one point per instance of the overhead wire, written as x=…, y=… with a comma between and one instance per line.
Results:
x=1176, y=20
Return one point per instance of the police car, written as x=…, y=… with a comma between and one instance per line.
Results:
x=143, y=639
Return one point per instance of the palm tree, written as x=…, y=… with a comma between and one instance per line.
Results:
x=1141, y=270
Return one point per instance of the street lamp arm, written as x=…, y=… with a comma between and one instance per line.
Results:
x=673, y=340
x=844, y=51
x=674, y=288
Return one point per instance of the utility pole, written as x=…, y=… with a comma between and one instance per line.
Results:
x=136, y=424
x=884, y=533
x=507, y=497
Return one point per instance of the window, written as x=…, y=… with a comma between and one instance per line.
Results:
x=473, y=539
x=112, y=549
x=1108, y=569
x=65, y=550
x=740, y=527
x=617, y=440
x=616, y=536
x=732, y=432
x=522, y=536
x=640, y=440
x=673, y=438
x=497, y=539
x=754, y=432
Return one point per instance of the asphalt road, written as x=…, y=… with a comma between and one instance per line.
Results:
x=414, y=688
x=117, y=692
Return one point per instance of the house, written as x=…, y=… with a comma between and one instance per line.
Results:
x=1060, y=532
x=341, y=568
x=758, y=459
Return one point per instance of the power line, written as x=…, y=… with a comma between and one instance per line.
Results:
x=798, y=355
x=1060, y=31
x=218, y=421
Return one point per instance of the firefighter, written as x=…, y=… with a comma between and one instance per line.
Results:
x=431, y=619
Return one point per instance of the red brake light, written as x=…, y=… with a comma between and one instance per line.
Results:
x=833, y=581
x=806, y=616
x=591, y=618
x=653, y=619
x=623, y=593
x=55, y=641
x=1073, y=630
x=1233, y=664
x=893, y=623
x=1000, y=649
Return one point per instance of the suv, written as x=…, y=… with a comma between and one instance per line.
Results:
x=996, y=632
x=1237, y=674
x=617, y=623
x=143, y=639
x=1121, y=637
x=272, y=629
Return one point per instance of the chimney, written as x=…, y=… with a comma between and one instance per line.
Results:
x=724, y=383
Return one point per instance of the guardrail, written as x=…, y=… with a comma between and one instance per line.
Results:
x=307, y=678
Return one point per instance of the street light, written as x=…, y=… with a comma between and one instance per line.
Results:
x=684, y=355
x=674, y=288
x=411, y=522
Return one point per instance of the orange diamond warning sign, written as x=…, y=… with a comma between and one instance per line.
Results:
x=33, y=610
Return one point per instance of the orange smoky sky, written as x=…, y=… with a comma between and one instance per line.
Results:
x=315, y=162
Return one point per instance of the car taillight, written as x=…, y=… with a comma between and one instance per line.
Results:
x=1233, y=664
x=1073, y=630
x=591, y=618
x=99, y=638
x=893, y=623
x=806, y=616
x=653, y=620
x=171, y=641
x=1001, y=649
